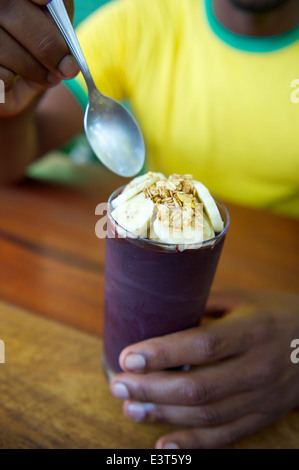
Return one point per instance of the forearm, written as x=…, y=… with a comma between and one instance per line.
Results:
x=43, y=125
x=19, y=144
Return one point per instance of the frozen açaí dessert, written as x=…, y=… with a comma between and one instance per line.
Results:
x=164, y=240
x=178, y=210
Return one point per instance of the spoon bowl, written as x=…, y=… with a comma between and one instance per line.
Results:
x=113, y=135
x=110, y=128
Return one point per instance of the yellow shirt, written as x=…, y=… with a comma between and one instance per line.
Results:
x=209, y=102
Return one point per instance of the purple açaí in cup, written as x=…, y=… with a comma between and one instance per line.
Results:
x=157, y=280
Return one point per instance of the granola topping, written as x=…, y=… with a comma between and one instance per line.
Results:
x=175, y=200
x=177, y=210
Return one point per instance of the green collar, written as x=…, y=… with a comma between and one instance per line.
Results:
x=249, y=43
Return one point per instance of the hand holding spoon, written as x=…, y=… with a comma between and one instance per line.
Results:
x=111, y=130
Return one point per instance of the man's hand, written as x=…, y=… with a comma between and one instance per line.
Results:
x=240, y=378
x=33, y=54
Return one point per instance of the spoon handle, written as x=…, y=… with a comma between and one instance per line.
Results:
x=61, y=18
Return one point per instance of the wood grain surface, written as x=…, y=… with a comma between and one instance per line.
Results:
x=52, y=262
x=52, y=387
x=54, y=394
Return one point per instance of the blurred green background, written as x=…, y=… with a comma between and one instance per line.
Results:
x=83, y=8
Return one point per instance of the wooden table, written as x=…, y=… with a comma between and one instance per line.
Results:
x=53, y=393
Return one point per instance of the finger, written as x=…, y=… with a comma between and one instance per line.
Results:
x=216, y=437
x=8, y=77
x=208, y=415
x=29, y=25
x=22, y=63
x=228, y=336
x=40, y=2
x=69, y=4
x=194, y=387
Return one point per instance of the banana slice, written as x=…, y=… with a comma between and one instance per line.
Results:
x=136, y=186
x=208, y=231
x=144, y=179
x=210, y=206
x=182, y=237
x=134, y=215
x=126, y=195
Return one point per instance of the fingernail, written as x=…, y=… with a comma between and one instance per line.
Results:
x=135, y=362
x=68, y=67
x=170, y=445
x=136, y=411
x=120, y=391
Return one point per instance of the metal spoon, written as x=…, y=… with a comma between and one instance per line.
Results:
x=111, y=130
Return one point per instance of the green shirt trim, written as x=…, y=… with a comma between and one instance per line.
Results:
x=77, y=91
x=249, y=43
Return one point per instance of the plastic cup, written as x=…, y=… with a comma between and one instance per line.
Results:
x=152, y=288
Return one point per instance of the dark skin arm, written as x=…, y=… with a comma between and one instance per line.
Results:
x=32, y=121
x=51, y=119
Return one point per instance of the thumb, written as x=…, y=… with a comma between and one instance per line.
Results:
x=69, y=5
